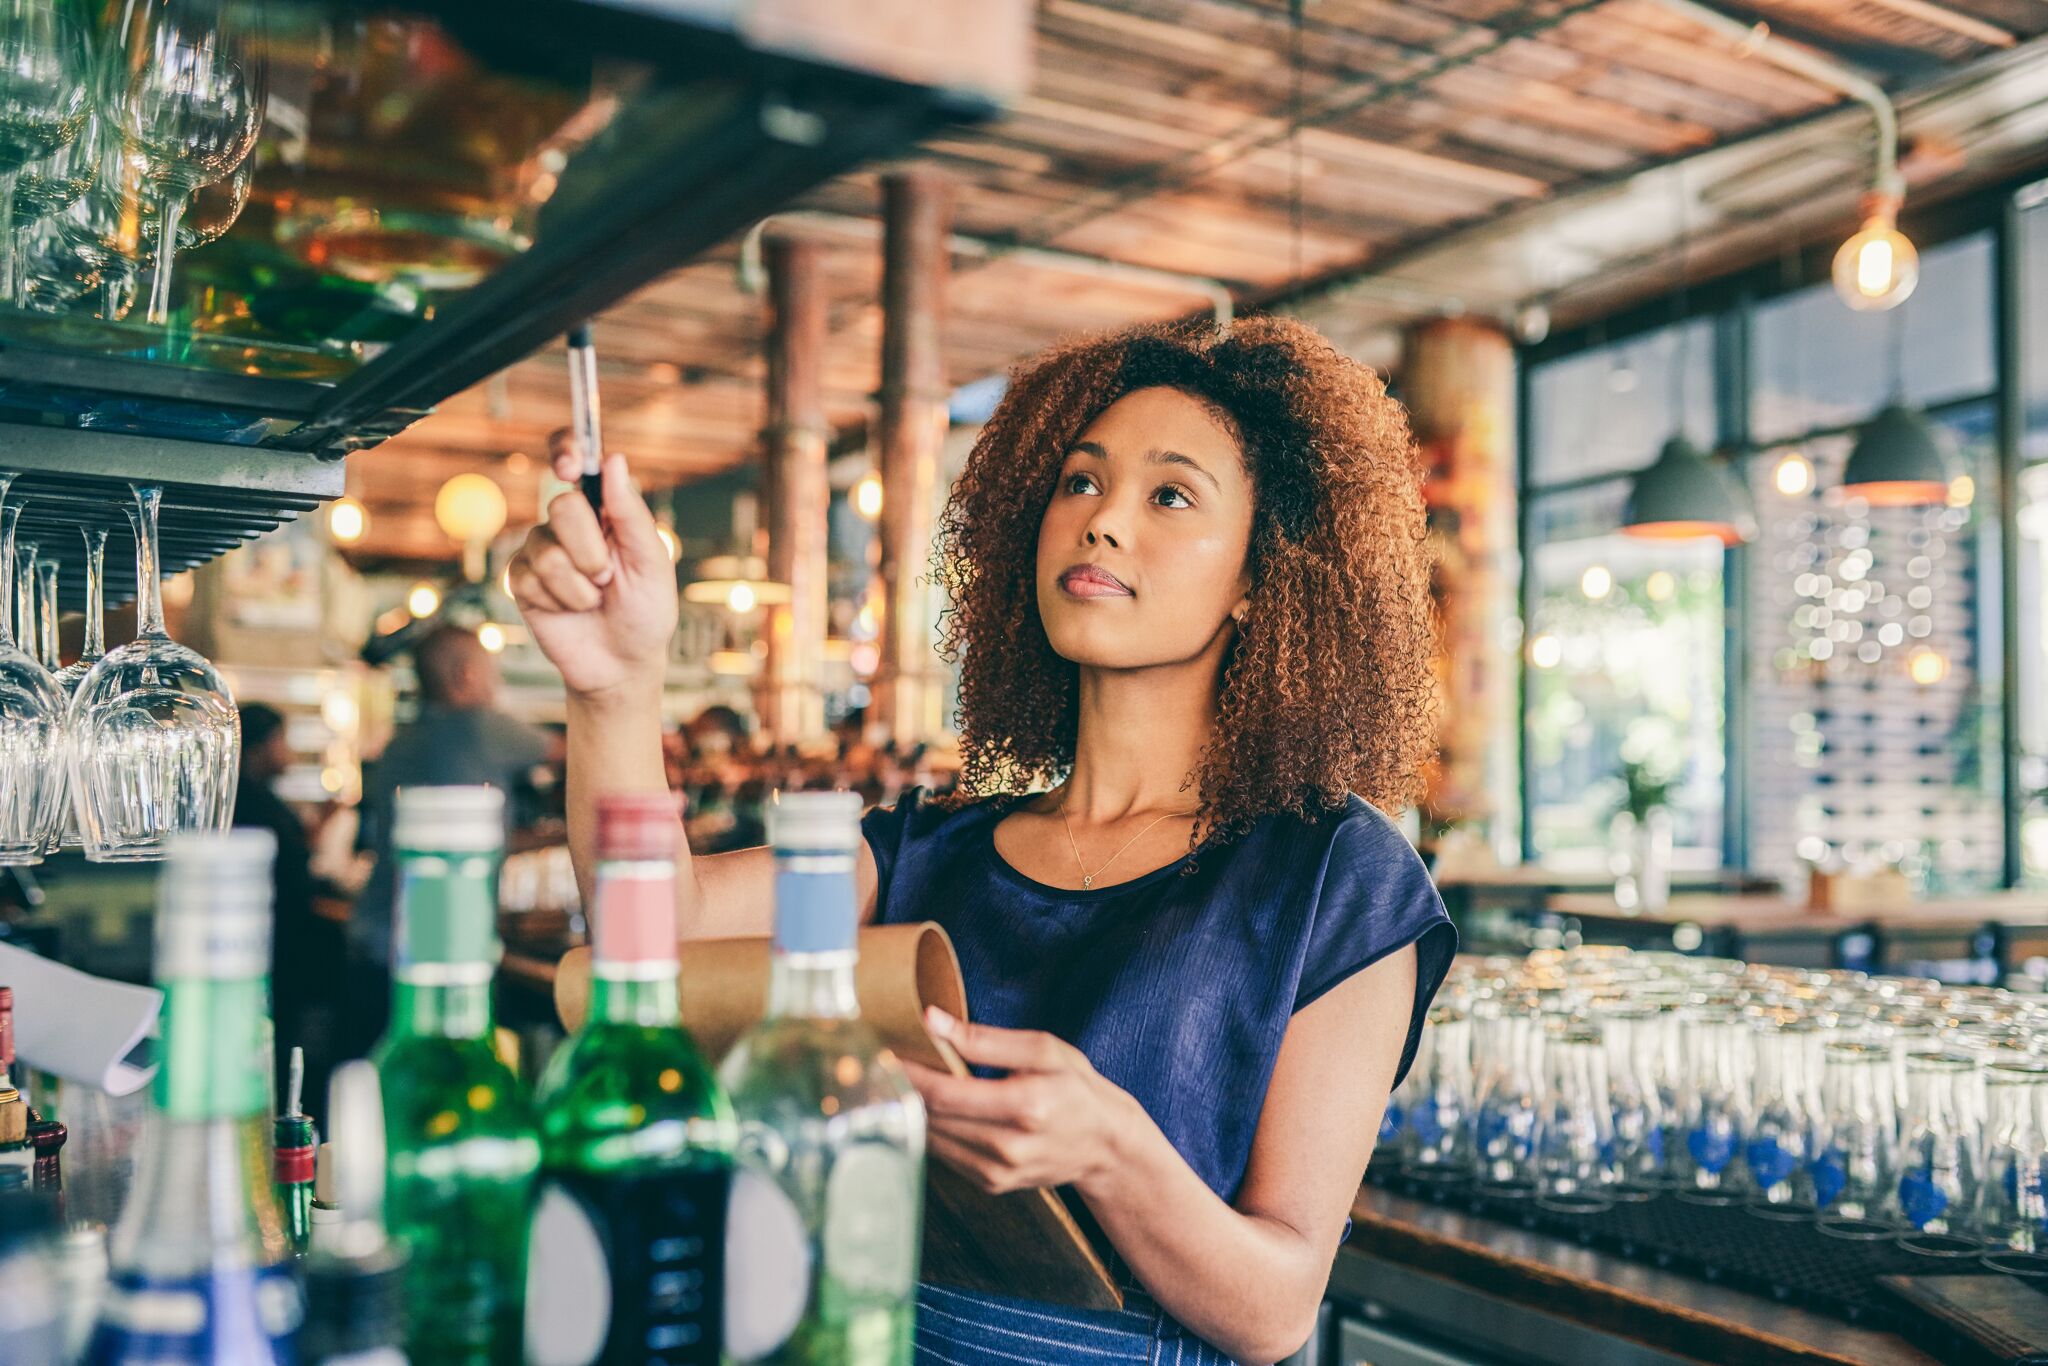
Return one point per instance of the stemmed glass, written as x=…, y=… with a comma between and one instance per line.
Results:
x=47, y=654
x=191, y=110
x=31, y=725
x=72, y=674
x=90, y=653
x=46, y=189
x=25, y=599
x=155, y=738
x=45, y=95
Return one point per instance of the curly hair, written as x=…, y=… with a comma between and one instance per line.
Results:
x=1328, y=688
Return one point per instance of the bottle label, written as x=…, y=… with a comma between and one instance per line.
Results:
x=635, y=925
x=814, y=904
x=871, y=1214
x=214, y=1053
x=768, y=1266
x=244, y=1315
x=447, y=917
x=628, y=1268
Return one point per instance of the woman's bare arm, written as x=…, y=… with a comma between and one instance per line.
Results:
x=600, y=599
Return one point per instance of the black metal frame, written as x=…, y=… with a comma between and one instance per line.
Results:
x=1730, y=304
x=663, y=185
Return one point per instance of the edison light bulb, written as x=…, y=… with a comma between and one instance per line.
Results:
x=347, y=521
x=1877, y=268
x=741, y=598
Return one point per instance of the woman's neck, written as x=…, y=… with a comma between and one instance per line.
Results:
x=1140, y=734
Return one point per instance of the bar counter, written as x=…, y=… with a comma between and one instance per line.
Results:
x=1417, y=1283
x=1416, y=1277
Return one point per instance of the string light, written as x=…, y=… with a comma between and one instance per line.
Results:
x=491, y=636
x=1596, y=582
x=423, y=601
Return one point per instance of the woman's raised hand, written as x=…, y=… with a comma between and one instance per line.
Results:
x=600, y=598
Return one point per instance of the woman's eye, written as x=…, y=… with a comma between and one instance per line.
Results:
x=1078, y=483
x=1176, y=493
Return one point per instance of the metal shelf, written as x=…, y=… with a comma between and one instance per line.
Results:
x=215, y=497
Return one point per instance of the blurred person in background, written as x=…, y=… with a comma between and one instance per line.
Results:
x=303, y=943
x=460, y=737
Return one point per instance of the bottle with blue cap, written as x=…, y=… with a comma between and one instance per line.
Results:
x=199, y=1267
x=822, y=1253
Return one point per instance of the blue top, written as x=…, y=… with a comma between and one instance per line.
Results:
x=1177, y=987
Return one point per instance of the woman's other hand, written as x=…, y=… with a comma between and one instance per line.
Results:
x=1053, y=1121
x=599, y=597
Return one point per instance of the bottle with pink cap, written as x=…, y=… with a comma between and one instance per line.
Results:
x=627, y=1256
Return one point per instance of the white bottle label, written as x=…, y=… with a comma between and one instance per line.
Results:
x=870, y=1233
x=568, y=1284
x=767, y=1266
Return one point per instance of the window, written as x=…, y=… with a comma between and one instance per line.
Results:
x=1874, y=671
x=1609, y=409
x=2032, y=517
x=1624, y=654
x=1819, y=364
x=1624, y=644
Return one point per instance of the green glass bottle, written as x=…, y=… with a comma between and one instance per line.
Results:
x=628, y=1250
x=827, y=1199
x=460, y=1145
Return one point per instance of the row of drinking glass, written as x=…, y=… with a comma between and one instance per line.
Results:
x=121, y=747
x=121, y=140
x=1877, y=1107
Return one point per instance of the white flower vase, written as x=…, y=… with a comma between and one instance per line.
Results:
x=1639, y=853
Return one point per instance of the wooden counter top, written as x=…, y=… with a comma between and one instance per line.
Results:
x=1665, y=1310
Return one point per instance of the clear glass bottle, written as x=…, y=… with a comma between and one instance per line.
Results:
x=1628, y=1038
x=1504, y=1113
x=625, y=1261
x=1778, y=1147
x=2012, y=1203
x=1436, y=1140
x=1715, y=1106
x=1574, y=1127
x=1855, y=1159
x=822, y=1258
x=461, y=1149
x=355, y=1275
x=1937, y=1186
x=199, y=1267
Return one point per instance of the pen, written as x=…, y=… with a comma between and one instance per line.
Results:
x=583, y=413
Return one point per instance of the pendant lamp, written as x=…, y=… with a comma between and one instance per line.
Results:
x=1684, y=495
x=1898, y=461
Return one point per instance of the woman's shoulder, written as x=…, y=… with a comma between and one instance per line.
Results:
x=919, y=824
x=1351, y=839
x=919, y=812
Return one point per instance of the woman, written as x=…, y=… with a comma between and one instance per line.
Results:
x=1190, y=590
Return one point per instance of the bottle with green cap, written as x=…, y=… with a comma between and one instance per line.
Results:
x=460, y=1144
x=628, y=1247
x=199, y=1269
x=822, y=1257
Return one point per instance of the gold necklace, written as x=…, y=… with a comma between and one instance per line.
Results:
x=1088, y=878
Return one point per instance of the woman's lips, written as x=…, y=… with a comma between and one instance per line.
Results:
x=1092, y=581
